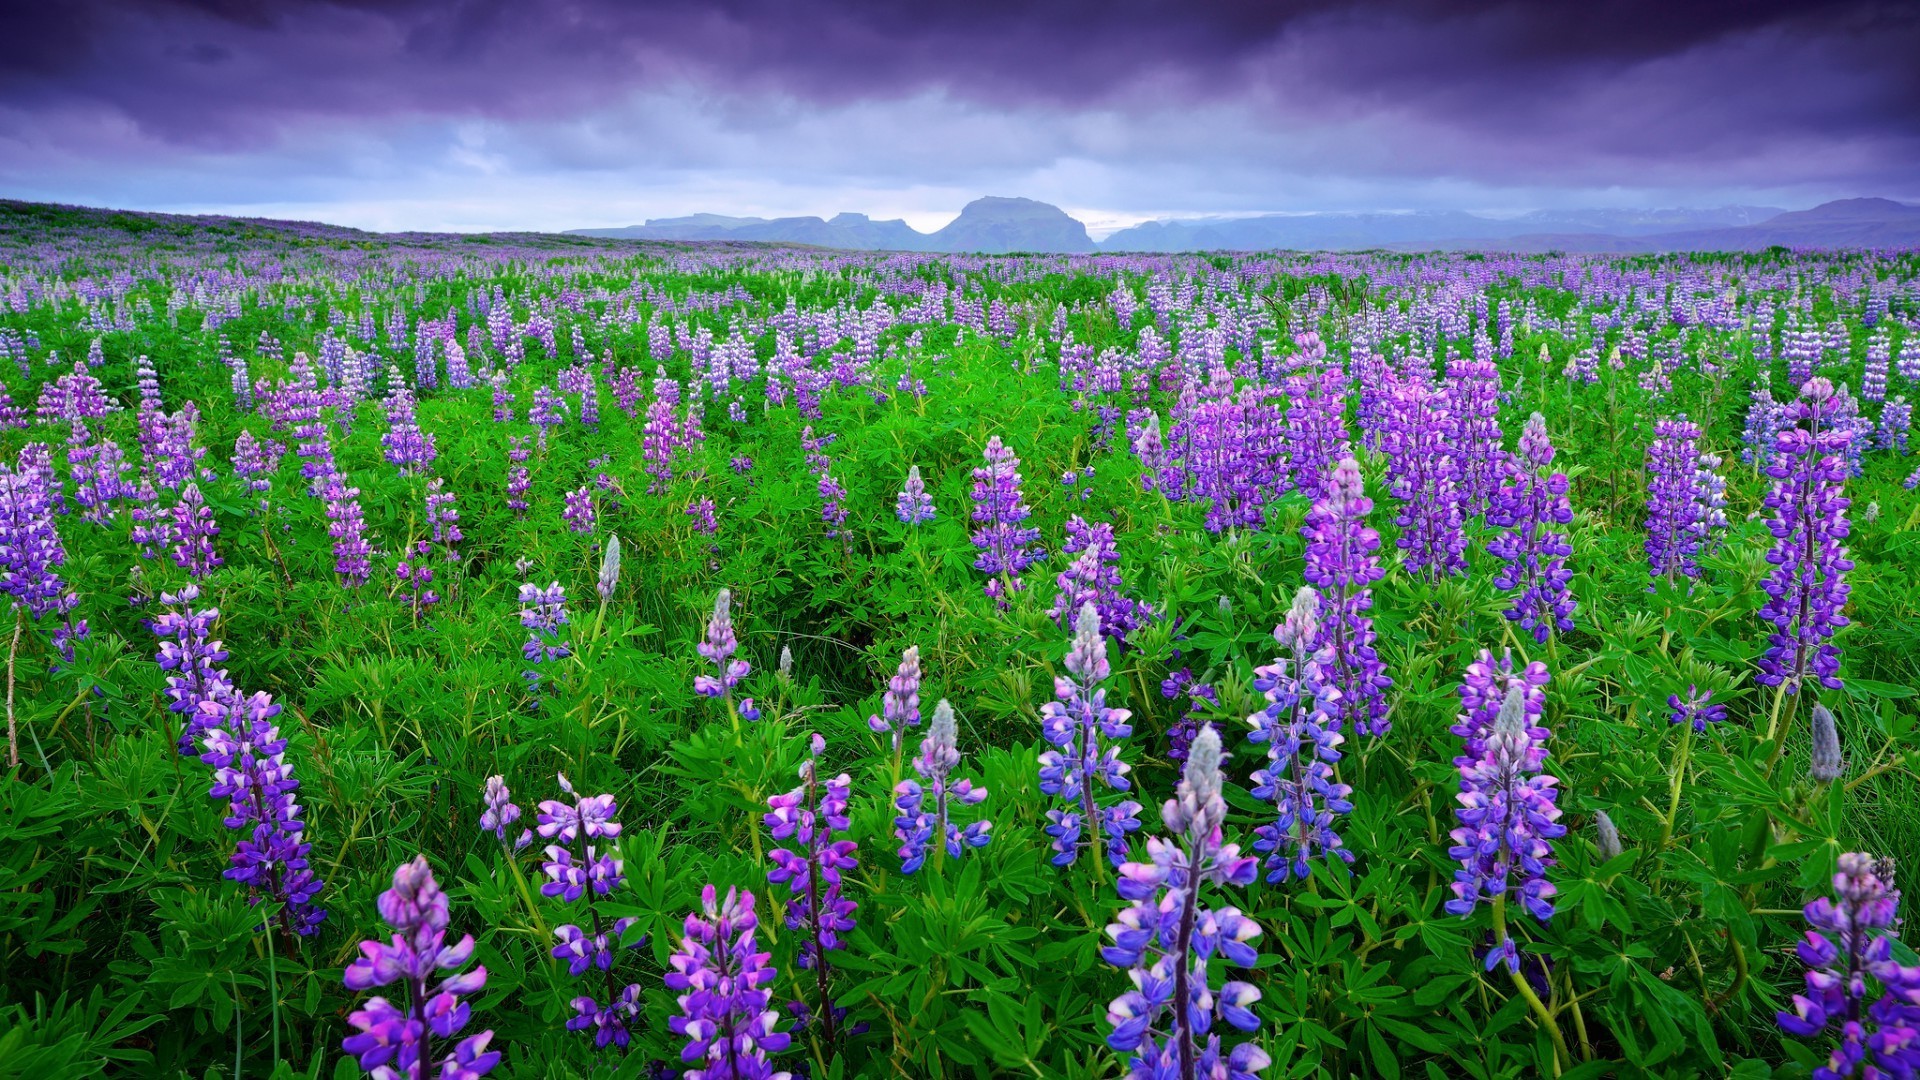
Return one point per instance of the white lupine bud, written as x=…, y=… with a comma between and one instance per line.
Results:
x=1609, y=836
x=1827, y=764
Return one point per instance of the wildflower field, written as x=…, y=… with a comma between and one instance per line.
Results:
x=533, y=656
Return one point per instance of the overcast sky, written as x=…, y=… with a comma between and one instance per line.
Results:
x=441, y=114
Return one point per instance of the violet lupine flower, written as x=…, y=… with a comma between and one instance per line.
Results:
x=1076, y=723
x=1675, y=516
x=519, y=479
x=810, y=815
x=544, y=612
x=1528, y=503
x=1167, y=940
x=1303, y=743
x=192, y=534
x=443, y=517
x=582, y=874
x=1508, y=820
x=1095, y=577
x=914, y=504
x=404, y=444
x=701, y=511
x=250, y=771
x=900, y=704
x=720, y=978
x=1851, y=943
x=548, y=412
x=1006, y=548
x=1807, y=589
x=1341, y=563
x=499, y=812
x=30, y=549
x=396, y=1039
x=1473, y=398
x=189, y=654
x=1697, y=708
x=255, y=461
x=1423, y=474
x=579, y=510
x=918, y=823
x=833, y=507
x=346, y=525
x=717, y=649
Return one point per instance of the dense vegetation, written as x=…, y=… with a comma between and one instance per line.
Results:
x=266, y=423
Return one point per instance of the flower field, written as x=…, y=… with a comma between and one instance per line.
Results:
x=525, y=655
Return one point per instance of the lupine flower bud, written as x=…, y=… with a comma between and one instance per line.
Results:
x=609, y=569
x=1609, y=836
x=786, y=664
x=1827, y=764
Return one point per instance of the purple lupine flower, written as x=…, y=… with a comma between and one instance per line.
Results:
x=1167, y=937
x=579, y=510
x=1851, y=943
x=99, y=472
x=1094, y=576
x=833, y=508
x=580, y=871
x=443, y=518
x=1508, y=820
x=544, y=613
x=1807, y=589
x=1316, y=425
x=1341, y=563
x=396, y=1039
x=191, y=537
x=188, y=653
x=914, y=504
x=499, y=812
x=346, y=525
x=416, y=578
x=1676, y=518
x=30, y=550
x=1423, y=474
x=244, y=747
x=900, y=704
x=1697, y=708
x=1484, y=689
x=918, y=823
x=717, y=648
x=1528, y=503
x=1303, y=743
x=548, y=412
x=1473, y=399
x=720, y=977
x=519, y=479
x=1076, y=723
x=404, y=444
x=810, y=815
x=701, y=511
x=1006, y=548
x=255, y=461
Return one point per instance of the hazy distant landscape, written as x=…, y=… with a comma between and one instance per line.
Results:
x=1000, y=225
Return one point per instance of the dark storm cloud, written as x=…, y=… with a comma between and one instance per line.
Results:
x=1611, y=94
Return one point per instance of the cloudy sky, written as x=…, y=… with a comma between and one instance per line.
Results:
x=471, y=114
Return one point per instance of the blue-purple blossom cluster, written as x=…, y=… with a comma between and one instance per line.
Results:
x=1086, y=737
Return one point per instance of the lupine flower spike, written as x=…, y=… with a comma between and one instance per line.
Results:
x=809, y=816
x=717, y=649
x=1167, y=938
x=720, y=977
x=1848, y=953
x=926, y=810
x=1086, y=734
x=394, y=1039
x=581, y=870
x=1303, y=743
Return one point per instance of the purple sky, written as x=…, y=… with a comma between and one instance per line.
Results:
x=521, y=113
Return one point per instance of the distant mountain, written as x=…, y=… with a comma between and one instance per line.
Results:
x=1843, y=223
x=996, y=225
x=1351, y=231
x=991, y=225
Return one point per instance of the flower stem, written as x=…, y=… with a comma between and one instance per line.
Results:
x=1562, y=1057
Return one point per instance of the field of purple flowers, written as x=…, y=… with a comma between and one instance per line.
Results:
x=531, y=656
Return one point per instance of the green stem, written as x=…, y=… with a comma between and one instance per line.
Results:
x=1562, y=1057
x=1679, y=781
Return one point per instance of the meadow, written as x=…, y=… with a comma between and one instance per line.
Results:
x=782, y=660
